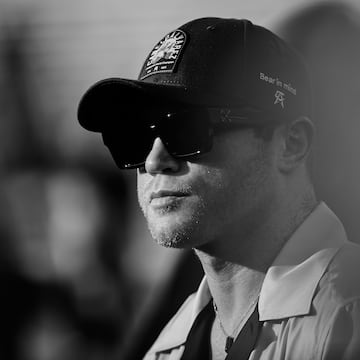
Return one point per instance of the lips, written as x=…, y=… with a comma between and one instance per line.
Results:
x=167, y=194
x=167, y=201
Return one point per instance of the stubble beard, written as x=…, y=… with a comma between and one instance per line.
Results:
x=180, y=234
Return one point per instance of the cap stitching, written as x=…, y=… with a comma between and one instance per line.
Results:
x=172, y=82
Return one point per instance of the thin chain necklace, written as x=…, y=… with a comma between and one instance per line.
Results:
x=230, y=339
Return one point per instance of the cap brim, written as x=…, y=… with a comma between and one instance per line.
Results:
x=114, y=94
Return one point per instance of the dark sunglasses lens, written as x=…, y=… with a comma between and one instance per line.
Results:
x=130, y=143
x=130, y=136
x=187, y=132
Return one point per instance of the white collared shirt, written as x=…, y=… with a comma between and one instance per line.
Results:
x=309, y=301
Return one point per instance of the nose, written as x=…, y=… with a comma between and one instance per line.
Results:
x=159, y=160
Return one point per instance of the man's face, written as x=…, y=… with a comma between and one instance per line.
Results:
x=189, y=204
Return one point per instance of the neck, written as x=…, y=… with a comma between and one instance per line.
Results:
x=234, y=288
x=235, y=266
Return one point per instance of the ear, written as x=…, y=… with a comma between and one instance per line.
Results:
x=296, y=144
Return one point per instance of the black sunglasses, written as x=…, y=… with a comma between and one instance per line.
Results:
x=185, y=132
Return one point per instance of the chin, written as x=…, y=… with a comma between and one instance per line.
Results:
x=184, y=235
x=174, y=242
x=180, y=226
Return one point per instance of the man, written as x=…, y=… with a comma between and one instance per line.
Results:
x=218, y=126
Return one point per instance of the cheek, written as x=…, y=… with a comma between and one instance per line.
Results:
x=214, y=188
x=238, y=187
x=141, y=181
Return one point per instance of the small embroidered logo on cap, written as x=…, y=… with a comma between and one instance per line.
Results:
x=164, y=56
x=279, y=98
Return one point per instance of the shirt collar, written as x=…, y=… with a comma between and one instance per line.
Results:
x=291, y=281
x=289, y=284
x=177, y=330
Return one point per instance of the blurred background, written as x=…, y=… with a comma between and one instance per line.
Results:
x=80, y=276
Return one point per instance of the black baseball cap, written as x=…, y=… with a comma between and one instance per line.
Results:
x=209, y=62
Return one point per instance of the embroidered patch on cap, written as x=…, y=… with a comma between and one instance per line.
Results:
x=164, y=56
